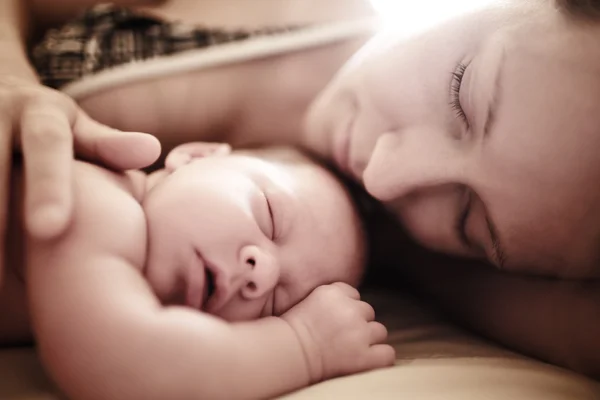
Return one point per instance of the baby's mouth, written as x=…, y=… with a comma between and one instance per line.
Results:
x=209, y=286
x=212, y=286
x=200, y=282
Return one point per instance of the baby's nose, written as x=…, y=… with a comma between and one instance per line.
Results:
x=261, y=272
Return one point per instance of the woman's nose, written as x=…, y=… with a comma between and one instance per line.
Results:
x=402, y=162
x=260, y=272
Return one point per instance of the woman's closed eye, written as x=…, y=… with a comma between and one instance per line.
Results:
x=478, y=234
x=455, y=87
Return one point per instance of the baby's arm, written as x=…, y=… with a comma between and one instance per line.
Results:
x=102, y=335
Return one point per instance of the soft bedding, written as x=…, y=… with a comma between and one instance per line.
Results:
x=435, y=360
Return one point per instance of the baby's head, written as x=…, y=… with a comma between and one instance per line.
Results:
x=248, y=234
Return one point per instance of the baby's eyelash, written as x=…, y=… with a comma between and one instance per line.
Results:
x=457, y=78
x=273, y=232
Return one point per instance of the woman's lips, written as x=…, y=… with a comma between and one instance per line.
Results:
x=341, y=146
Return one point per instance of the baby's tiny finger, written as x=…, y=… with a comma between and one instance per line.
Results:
x=348, y=290
x=381, y=355
x=377, y=332
x=366, y=311
x=47, y=146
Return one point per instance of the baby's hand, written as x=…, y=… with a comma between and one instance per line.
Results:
x=47, y=127
x=338, y=333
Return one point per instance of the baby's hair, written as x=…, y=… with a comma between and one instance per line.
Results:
x=588, y=9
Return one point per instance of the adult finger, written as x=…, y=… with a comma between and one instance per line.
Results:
x=348, y=290
x=377, y=332
x=112, y=147
x=47, y=146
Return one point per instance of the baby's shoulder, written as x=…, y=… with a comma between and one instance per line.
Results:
x=131, y=182
x=108, y=212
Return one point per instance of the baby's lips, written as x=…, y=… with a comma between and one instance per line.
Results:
x=213, y=299
x=209, y=286
x=196, y=283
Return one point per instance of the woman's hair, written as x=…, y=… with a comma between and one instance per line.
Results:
x=589, y=9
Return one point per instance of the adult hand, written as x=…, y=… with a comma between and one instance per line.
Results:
x=47, y=127
x=338, y=333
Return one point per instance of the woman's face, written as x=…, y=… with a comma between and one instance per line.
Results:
x=482, y=135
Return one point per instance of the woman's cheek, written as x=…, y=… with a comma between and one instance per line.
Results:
x=430, y=218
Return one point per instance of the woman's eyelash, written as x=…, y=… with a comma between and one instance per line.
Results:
x=457, y=78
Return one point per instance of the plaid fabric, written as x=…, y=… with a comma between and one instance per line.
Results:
x=107, y=36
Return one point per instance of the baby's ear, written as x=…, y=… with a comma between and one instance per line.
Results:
x=183, y=154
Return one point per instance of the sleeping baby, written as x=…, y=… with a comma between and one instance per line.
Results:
x=223, y=275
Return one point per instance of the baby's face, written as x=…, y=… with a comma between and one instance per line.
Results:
x=243, y=237
x=480, y=134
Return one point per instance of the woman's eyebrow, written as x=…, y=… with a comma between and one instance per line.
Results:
x=499, y=255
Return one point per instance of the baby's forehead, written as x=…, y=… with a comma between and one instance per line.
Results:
x=286, y=163
x=283, y=155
